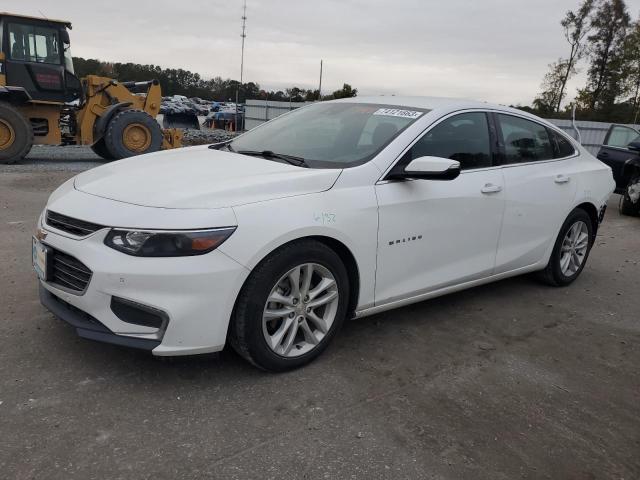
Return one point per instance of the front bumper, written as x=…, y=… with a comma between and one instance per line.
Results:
x=194, y=294
x=89, y=327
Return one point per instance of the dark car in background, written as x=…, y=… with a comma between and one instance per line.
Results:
x=621, y=151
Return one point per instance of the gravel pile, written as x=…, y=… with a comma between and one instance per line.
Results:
x=203, y=137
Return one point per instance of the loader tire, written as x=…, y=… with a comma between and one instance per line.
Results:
x=16, y=134
x=100, y=149
x=132, y=132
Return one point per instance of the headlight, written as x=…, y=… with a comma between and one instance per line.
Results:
x=148, y=243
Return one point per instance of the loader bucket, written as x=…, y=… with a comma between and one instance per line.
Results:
x=181, y=120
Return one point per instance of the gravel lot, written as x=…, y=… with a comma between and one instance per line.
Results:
x=509, y=380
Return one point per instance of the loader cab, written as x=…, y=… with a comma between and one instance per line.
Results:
x=37, y=58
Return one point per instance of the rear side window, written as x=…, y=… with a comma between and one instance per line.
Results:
x=463, y=137
x=562, y=145
x=524, y=140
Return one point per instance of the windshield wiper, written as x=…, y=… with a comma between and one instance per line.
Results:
x=291, y=159
x=219, y=145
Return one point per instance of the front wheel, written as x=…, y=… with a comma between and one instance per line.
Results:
x=571, y=250
x=132, y=132
x=292, y=305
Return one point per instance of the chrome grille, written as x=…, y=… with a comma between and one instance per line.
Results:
x=70, y=225
x=68, y=272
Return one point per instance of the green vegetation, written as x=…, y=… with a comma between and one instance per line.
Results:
x=183, y=82
x=602, y=34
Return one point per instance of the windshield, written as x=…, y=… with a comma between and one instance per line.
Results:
x=330, y=135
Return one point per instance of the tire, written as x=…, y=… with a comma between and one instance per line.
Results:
x=248, y=331
x=554, y=274
x=100, y=149
x=627, y=207
x=16, y=134
x=132, y=132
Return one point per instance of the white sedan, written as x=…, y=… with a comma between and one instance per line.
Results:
x=337, y=210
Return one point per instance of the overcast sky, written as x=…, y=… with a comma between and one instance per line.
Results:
x=493, y=50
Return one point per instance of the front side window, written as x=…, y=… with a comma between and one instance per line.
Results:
x=330, y=135
x=34, y=44
x=524, y=140
x=621, y=137
x=464, y=137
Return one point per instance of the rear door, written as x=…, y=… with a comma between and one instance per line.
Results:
x=615, y=152
x=539, y=169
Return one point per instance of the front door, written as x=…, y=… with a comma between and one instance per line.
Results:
x=615, y=152
x=434, y=234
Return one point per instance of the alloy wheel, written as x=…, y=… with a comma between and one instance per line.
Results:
x=574, y=248
x=300, y=310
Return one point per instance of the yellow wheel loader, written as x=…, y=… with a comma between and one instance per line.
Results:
x=43, y=102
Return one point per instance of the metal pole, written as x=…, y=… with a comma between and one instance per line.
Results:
x=243, y=35
x=573, y=123
x=320, y=86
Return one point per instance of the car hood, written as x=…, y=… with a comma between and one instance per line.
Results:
x=199, y=177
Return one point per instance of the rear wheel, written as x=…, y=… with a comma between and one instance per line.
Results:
x=570, y=251
x=630, y=202
x=132, y=132
x=291, y=306
x=16, y=134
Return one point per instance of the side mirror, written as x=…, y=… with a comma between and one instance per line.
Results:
x=431, y=168
x=635, y=146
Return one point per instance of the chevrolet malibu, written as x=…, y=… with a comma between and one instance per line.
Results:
x=337, y=210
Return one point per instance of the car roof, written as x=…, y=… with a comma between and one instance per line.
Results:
x=440, y=104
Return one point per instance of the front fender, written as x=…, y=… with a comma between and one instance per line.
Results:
x=265, y=226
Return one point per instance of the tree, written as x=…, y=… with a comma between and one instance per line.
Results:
x=576, y=27
x=553, y=85
x=177, y=81
x=606, y=47
x=295, y=94
x=346, y=92
x=631, y=69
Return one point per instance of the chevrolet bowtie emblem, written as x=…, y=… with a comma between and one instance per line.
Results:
x=41, y=234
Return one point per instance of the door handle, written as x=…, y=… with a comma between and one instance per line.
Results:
x=561, y=179
x=603, y=155
x=491, y=188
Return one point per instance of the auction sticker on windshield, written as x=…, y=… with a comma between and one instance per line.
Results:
x=395, y=112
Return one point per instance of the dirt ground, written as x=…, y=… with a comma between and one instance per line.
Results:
x=509, y=380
